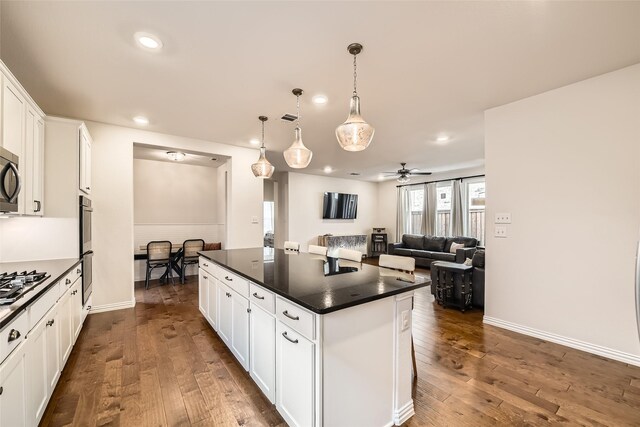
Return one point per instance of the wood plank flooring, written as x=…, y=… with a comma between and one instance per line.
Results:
x=161, y=364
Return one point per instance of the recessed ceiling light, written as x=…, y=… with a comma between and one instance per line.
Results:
x=148, y=41
x=255, y=141
x=328, y=169
x=176, y=156
x=442, y=138
x=320, y=99
x=141, y=120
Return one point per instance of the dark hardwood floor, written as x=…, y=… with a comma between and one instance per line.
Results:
x=161, y=364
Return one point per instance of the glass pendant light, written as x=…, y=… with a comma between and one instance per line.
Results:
x=298, y=156
x=355, y=134
x=262, y=168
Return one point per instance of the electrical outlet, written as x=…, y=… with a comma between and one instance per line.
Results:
x=405, y=320
x=254, y=220
x=503, y=218
x=500, y=231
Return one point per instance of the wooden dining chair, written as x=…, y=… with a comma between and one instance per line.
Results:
x=190, y=249
x=158, y=256
x=405, y=265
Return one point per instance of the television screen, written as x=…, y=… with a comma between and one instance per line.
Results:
x=340, y=206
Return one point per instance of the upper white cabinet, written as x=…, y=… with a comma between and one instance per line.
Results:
x=67, y=163
x=85, y=160
x=22, y=133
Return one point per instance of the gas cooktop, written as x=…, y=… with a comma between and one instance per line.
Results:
x=14, y=285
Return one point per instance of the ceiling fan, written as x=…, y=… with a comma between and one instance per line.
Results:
x=404, y=174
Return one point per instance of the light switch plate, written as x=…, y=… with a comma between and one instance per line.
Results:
x=405, y=320
x=254, y=220
x=500, y=231
x=503, y=218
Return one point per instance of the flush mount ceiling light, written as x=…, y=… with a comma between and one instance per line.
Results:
x=297, y=155
x=354, y=134
x=442, y=139
x=320, y=99
x=176, y=156
x=148, y=41
x=262, y=168
x=141, y=120
x=255, y=141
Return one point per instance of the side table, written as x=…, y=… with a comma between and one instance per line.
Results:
x=452, y=276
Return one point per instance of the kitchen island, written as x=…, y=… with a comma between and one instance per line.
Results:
x=327, y=340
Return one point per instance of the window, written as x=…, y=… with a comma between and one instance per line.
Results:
x=475, y=214
x=443, y=215
x=269, y=223
x=416, y=202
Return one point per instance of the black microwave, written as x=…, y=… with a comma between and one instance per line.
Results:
x=9, y=181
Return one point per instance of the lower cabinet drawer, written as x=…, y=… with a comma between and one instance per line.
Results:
x=262, y=297
x=294, y=316
x=13, y=334
x=39, y=308
x=235, y=282
x=208, y=266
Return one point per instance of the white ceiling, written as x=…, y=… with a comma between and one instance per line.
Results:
x=427, y=68
x=150, y=152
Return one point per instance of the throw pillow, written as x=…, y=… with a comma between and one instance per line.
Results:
x=468, y=261
x=455, y=247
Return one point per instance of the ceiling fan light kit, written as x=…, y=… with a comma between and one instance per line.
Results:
x=297, y=155
x=355, y=134
x=404, y=174
x=262, y=168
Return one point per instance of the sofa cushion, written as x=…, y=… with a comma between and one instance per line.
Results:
x=478, y=259
x=413, y=241
x=469, y=242
x=421, y=254
x=443, y=256
x=402, y=251
x=433, y=243
x=454, y=247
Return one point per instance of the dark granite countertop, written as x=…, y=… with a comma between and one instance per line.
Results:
x=320, y=284
x=55, y=268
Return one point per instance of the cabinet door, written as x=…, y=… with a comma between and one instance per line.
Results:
x=203, y=289
x=13, y=399
x=37, y=177
x=240, y=329
x=294, y=377
x=263, y=350
x=212, y=294
x=224, y=313
x=66, y=326
x=76, y=308
x=13, y=119
x=36, y=373
x=54, y=367
x=85, y=161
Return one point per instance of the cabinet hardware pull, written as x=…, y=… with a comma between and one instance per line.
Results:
x=88, y=307
x=228, y=294
x=1, y=390
x=248, y=310
x=67, y=281
x=284, y=334
x=88, y=188
x=286, y=313
x=13, y=335
x=205, y=277
x=78, y=271
x=50, y=322
x=228, y=279
x=205, y=264
x=255, y=294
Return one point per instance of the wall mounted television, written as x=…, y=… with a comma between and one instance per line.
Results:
x=340, y=206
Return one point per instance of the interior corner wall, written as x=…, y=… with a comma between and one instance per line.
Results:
x=112, y=197
x=566, y=165
x=305, y=207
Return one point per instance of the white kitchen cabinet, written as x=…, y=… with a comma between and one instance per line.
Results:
x=203, y=291
x=295, y=370
x=33, y=170
x=13, y=389
x=54, y=363
x=76, y=309
x=212, y=305
x=14, y=108
x=37, y=379
x=225, y=310
x=240, y=329
x=233, y=322
x=262, y=354
x=85, y=160
x=66, y=326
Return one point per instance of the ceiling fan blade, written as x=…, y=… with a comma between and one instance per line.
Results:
x=420, y=173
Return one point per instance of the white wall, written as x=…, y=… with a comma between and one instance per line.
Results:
x=305, y=207
x=566, y=165
x=112, y=196
x=387, y=197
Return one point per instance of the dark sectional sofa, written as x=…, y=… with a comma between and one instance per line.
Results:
x=426, y=249
x=477, y=279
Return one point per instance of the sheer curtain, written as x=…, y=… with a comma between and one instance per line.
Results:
x=430, y=209
x=457, y=208
x=403, y=215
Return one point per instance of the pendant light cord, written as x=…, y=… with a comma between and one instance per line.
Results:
x=262, y=146
x=355, y=76
x=298, y=110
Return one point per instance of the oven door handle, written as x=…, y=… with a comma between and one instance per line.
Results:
x=11, y=198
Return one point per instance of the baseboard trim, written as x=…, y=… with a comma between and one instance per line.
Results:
x=113, y=307
x=404, y=413
x=599, y=350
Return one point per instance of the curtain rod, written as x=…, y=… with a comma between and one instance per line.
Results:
x=440, y=180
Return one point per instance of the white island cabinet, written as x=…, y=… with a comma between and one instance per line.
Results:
x=344, y=365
